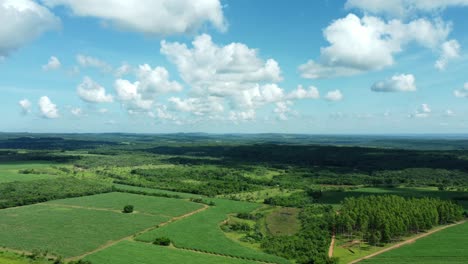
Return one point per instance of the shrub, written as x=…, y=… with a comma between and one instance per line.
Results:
x=162, y=241
x=128, y=209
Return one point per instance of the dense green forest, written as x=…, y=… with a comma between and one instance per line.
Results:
x=382, y=219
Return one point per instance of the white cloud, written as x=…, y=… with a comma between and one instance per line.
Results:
x=301, y=93
x=220, y=70
x=91, y=62
x=397, y=83
x=21, y=22
x=422, y=112
x=76, y=111
x=462, y=93
x=25, y=105
x=282, y=109
x=150, y=16
x=141, y=94
x=369, y=44
x=48, y=108
x=240, y=116
x=92, y=92
x=450, y=51
x=198, y=106
x=52, y=64
x=402, y=8
x=335, y=95
x=449, y=113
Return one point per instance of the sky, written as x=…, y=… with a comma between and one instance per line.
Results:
x=234, y=66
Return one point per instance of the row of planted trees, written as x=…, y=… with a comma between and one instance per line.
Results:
x=382, y=219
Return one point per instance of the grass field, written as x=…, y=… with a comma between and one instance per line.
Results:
x=446, y=246
x=142, y=253
x=10, y=172
x=260, y=195
x=283, y=222
x=71, y=229
x=142, y=204
x=202, y=232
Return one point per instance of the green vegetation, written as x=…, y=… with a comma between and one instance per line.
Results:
x=30, y=192
x=202, y=232
x=136, y=252
x=382, y=219
x=20, y=171
x=162, y=241
x=128, y=209
x=11, y=258
x=446, y=246
x=283, y=222
x=142, y=204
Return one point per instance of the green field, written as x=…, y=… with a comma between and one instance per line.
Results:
x=446, y=246
x=283, y=222
x=11, y=171
x=142, y=204
x=202, y=232
x=142, y=253
x=72, y=229
x=10, y=258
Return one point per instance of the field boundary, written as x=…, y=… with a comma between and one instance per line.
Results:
x=406, y=242
x=130, y=238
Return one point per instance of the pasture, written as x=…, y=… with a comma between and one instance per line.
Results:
x=10, y=172
x=72, y=227
x=137, y=252
x=203, y=233
x=447, y=246
x=283, y=222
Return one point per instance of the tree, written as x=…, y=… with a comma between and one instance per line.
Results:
x=162, y=241
x=128, y=209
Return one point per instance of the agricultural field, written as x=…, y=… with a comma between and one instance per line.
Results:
x=202, y=232
x=87, y=221
x=25, y=171
x=283, y=221
x=143, y=253
x=446, y=246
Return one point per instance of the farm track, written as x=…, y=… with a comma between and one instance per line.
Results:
x=98, y=209
x=332, y=246
x=406, y=242
x=130, y=238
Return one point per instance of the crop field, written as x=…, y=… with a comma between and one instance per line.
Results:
x=142, y=204
x=446, y=246
x=51, y=226
x=11, y=171
x=202, y=232
x=137, y=252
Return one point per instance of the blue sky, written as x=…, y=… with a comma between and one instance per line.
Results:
x=157, y=66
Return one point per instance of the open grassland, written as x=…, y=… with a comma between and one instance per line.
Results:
x=283, y=222
x=335, y=197
x=136, y=252
x=72, y=227
x=10, y=172
x=202, y=232
x=142, y=204
x=446, y=246
x=260, y=195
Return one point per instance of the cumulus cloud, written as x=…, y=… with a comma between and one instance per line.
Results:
x=52, y=64
x=397, y=83
x=422, y=112
x=149, y=16
x=123, y=70
x=91, y=92
x=150, y=83
x=402, y=8
x=301, y=93
x=450, y=50
x=335, y=95
x=92, y=62
x=23, y=21
x=282, y=109
x=462, y=93
x=368, y=44
x=197, y=106
x=25, y=105
x=47, y=108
